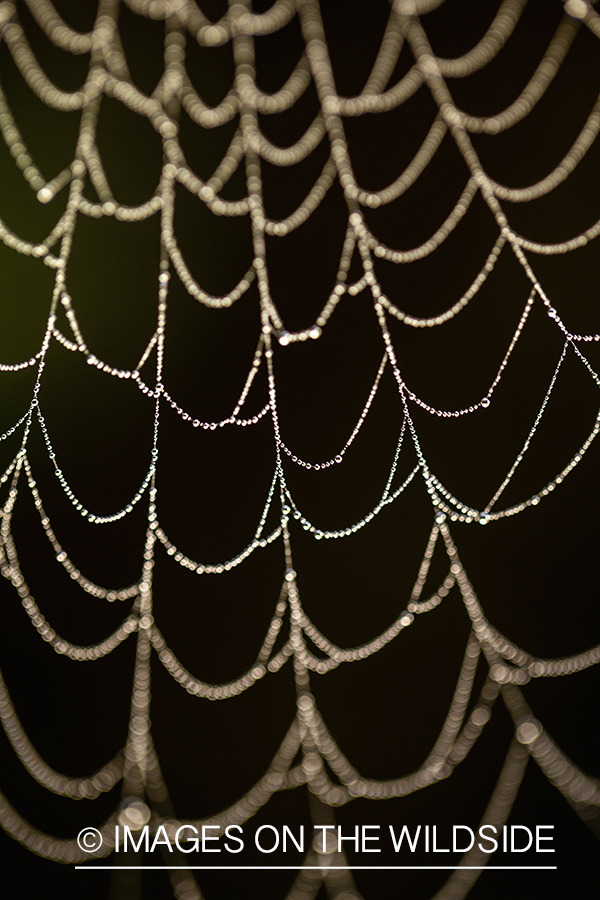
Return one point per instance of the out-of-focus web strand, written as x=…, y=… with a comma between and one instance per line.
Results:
x=435, y=486
x=559, y=40
x=452, y=724
x=308, y=729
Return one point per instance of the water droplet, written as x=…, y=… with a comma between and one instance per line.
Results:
x=527, y=732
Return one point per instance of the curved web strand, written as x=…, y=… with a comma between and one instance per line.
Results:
x=432, y=73
x=14, y=142
x=509, y=664
x=475, y=59
x=339, y=456
x=57, y=30
x=286, y=96
x=435, y=767
x=34, y=75
x=10, y=569
x=427, y=247
x=26, y=248
x=534, y=90
x=214, y=34
x=88, y=586
x=287, y=156
x=570, y=161
x=200, y=113
x=496, y=814
x=303, y=212
x=179, y=264
x=522, y=665
x=415, y=168
x=580, y=789
x=416, y=321
x=459, y=511
x=94, y=518
x=208, y=191
x=561, y=247
x=76, y=788
x=62, y=850
x=485, y=401
x=260, y=540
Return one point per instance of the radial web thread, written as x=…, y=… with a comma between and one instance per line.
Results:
x=309, y=754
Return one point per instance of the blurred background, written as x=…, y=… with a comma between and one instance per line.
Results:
x=535, y=574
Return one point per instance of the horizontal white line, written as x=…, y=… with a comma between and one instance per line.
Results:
x=316, y=868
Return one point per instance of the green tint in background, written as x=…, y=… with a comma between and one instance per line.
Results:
x=535, y=574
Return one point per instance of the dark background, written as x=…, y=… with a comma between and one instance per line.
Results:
x=535, y=574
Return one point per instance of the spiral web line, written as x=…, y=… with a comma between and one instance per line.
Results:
x=292, y=638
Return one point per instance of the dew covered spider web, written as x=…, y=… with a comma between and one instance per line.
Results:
x=269, y=293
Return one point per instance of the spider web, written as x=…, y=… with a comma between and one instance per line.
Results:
x=495, y=668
